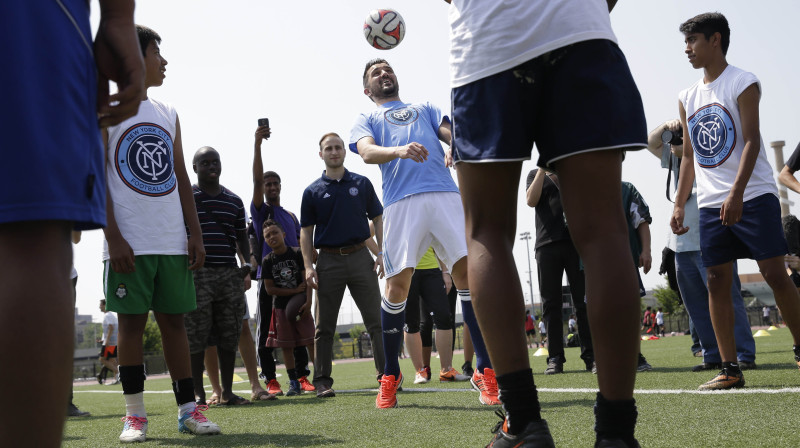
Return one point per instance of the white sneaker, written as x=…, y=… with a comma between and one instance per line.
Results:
x=197, y=423
x=421, y=377
x=135, y=429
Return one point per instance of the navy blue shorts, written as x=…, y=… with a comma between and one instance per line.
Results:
x=51, y=141
x=759, y=235
x=575, y=99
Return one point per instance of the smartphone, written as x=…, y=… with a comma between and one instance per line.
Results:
x=263, y=122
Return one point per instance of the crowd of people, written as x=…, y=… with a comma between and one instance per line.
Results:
x=192, y=273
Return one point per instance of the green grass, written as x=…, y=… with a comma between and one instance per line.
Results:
x=455, y=418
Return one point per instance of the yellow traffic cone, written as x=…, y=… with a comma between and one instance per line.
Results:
x=237, y=378
x=760, y=333
x=541, y=352
x=772, y=328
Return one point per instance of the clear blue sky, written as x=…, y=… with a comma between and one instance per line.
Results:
x=300, y=64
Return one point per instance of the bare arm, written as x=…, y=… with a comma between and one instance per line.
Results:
x=262, y=133
x=654, y=143
x=119, y=59
x=787, y=178
x=731, y=211
x=307, y=247
x=685, y=181
x=120, y=254
x=197, y=251
x=374, y=154
x=534, y=192
x=445, y=134
x=269, y=286
x=377, y=225
x=645, y=257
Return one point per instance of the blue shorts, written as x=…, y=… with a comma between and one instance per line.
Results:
x=575, y=99
x=759, y=235
x=51, y=141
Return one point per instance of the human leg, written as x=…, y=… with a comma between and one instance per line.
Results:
x=436, y=303
x=413, y=339
x=786, y=295
x=263, y=319
x=488, y=194
x=720, y=305
x=247, y=349
x=577, y=287
x=29, y=251
x=691, y=281
x=393, y=317
x=211, y=361
x=598, y=229
x=550, y=267
x=331, y=272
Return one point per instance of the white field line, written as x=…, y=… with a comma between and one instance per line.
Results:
x=785, y=390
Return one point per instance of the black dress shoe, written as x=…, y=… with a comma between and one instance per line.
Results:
x=707, y=366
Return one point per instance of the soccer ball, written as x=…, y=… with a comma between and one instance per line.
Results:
x=384, y=28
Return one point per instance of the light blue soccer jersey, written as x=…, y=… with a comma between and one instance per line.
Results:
x=396, y=124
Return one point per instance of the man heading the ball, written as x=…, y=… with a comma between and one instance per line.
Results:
x=422, y=208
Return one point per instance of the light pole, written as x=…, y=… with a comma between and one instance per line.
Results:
x=527, y=237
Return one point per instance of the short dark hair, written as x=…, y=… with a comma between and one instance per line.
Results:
x=370, y=63
x=272, y=222
x=272, y=174
x=103, y=302
x=146, y=35
x=708, y=24
x=329, y=134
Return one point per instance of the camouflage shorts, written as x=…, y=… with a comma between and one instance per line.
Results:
x=220, y=309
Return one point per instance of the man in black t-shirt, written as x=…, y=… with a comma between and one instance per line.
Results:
x=555, y=254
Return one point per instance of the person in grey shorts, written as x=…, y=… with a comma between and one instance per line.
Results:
x=334, y=219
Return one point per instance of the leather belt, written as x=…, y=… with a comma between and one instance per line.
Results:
x=344, y=250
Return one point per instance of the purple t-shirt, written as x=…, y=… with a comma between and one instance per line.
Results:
x=285, y=218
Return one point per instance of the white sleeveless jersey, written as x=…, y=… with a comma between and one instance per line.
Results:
x=142, y=181
x=715, y=130
x=490, y=36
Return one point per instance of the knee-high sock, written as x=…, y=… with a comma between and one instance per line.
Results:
x=393, y=317
x=481, y=355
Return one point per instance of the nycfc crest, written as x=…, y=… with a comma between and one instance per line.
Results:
x=122, y=291
x=403, y=116
x=144, y=161
x=713, y=135
x=353, y=191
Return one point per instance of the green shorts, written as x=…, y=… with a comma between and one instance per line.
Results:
x=161, y=283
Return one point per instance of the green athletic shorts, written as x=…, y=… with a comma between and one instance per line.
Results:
x=161, y=283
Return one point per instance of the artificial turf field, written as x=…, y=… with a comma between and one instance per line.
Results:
x=766, y=413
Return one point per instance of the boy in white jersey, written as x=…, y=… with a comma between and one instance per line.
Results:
x=146, y=263
x=736, y=194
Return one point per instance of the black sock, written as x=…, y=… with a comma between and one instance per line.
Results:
x=103, y=372
x=520, y=399
x=132, y=379
x=732, y=367
x=615, y=419
x=292, y=374
x=198, y=365
x=184, y=390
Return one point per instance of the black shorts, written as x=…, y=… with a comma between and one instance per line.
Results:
x=574, y=99
x=758, y=235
